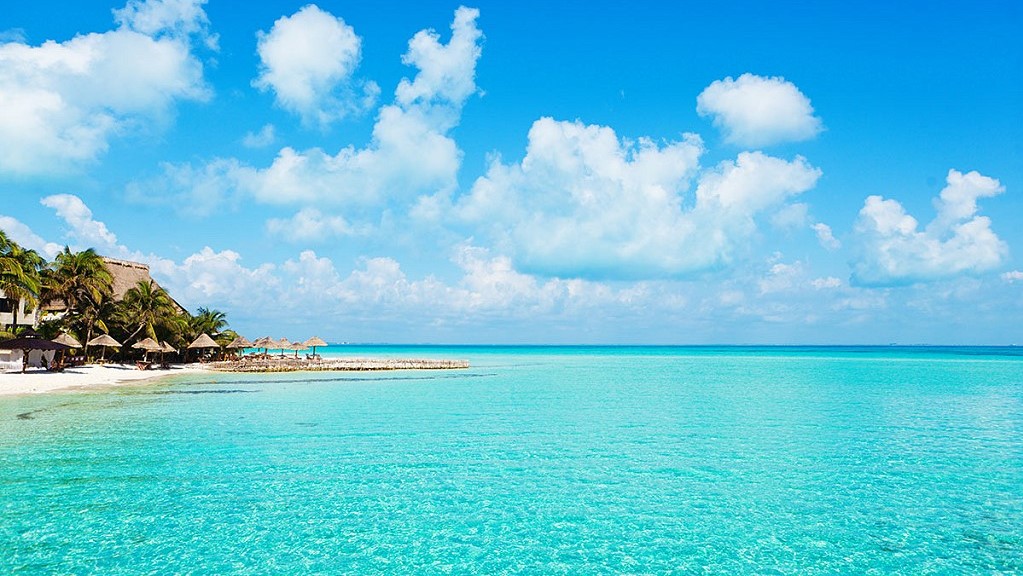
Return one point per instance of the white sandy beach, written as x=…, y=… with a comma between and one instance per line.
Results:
x=37, y=381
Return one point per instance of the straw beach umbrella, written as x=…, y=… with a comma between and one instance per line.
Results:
x=67, y=340
x=265, y=342
x=296, y=346
x=165, y=348
x=105, y=341
x=239, y=343
x=283, y=344
x=314, y=342
x=149, y=345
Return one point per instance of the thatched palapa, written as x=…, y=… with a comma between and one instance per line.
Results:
x=204, y=341
x=67, y=340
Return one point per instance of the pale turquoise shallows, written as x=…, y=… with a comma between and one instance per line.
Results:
x=536, y=460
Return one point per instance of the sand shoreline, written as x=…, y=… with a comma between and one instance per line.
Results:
x=92, y=376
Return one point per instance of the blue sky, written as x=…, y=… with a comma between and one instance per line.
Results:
x=531, y=173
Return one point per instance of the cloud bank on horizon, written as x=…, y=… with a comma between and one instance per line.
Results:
x=589, y=235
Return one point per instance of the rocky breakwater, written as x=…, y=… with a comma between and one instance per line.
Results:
x=291, y=364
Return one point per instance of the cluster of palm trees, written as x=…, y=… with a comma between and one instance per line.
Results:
x=82, y=282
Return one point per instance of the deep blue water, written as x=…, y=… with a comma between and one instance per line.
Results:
x=540, y=460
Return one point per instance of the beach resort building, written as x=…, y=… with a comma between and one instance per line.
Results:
x=126, y=275
x=8, y=307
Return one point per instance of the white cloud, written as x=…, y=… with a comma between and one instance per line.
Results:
x=193, y=191
x=757, y=111
x=211, y=278
x=261, y=139
x=307, y=60
x=24, y=236
x=410, y=154
x=447, y=72
x=488, y=299
x=78, y=216
x=1013, y=276
x=791, y=216
x=825, y=236
x=312, y=225
x=780, y=278
x=177, y=18
x=583, y=203
x=61, y=102
x=826, y=282
x=894, y=251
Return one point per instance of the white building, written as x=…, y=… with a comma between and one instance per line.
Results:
x=7, y=306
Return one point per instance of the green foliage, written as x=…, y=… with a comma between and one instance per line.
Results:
x=82, y=282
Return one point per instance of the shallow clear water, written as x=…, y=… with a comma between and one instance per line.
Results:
x=536, y=460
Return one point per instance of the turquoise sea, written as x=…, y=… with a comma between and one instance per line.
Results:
x=537, y=460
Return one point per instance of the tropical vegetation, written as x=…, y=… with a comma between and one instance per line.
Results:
x=75, y=294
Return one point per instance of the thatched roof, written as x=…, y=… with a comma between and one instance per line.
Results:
x=165, y=347
x=204, y=341
x=240, y=342
x=315, y=341
x=104, y=340
x=67, y=340
x=149, y=345
x=128, y=274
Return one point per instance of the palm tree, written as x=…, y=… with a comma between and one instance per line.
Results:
x=19, y=275
x=77, y=278
x=148, y=307
x=82, y=281
x=207, y=321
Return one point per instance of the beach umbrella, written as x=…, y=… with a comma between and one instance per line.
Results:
x=204, y=341
x=314, y=342
x=240, y=342
x=105, y=341
x=283, y=344
x=68, y=340
x=296, y=346
x=265, y=342
x=30, y=340
x=164, y=348
x=149, y=345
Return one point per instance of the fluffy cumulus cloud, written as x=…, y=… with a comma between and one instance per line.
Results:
x=757, y=111
x=83, y=227
x=17, y=230
x=410, y=153
x=895, y=250
x=307, y=60
x=583, y=203
x=61, y=102
x=488, y=299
